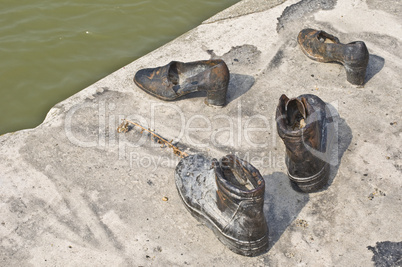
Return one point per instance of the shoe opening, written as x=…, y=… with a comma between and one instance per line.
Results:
x=173, y=75
x=296, y=114
x=324, y=37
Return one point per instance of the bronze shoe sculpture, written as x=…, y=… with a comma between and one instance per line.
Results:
x=228, y=197
x=176, y=79
x=303, y=123
x=324, y=47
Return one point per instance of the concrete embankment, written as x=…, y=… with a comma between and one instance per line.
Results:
x=74, y=192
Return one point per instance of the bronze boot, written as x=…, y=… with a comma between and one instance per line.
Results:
x=324, y=47
x=303, y=125
x=228, y=197
x=176, y=79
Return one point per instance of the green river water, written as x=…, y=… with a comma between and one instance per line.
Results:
x=50, y=50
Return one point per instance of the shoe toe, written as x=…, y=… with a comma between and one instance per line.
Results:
x=141, y=78
x=305, y=36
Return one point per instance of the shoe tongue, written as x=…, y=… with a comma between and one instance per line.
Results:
x=238, y=178
x=234, y=173
x=295, y=113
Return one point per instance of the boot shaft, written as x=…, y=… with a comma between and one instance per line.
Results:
x=302, y=125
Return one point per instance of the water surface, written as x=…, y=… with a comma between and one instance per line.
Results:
x=50, y=50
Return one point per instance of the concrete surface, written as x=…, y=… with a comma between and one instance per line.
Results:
x=74, y=192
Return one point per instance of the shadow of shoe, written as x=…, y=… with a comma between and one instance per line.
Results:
x=375, y=65
x=342, y=142
x=239, y=84
x=282, y=204
x=342, y=137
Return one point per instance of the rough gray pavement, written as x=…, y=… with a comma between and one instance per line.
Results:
x=74, y=192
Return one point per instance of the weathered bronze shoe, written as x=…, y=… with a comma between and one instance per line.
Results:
x=228, y=197
x=176, y=79
x=303, y=124
x=324, y=47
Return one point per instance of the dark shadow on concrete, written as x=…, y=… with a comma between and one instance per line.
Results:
x=342, y=137
x=387, y=253
x=239, y=84
x=375, y=65
x=282, y=204
x=302, y=9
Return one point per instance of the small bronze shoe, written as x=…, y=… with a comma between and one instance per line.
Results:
x=176, y=79
x=228, y=197
x=303, y=123
x=324, y=47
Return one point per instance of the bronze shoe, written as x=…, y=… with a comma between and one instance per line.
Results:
x=176, y=79
x=324, y=47
x=228, y=197
x=303, y=125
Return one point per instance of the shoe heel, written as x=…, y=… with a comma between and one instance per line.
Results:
x=217, y=89
x=216, y=97
x=355, y=75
